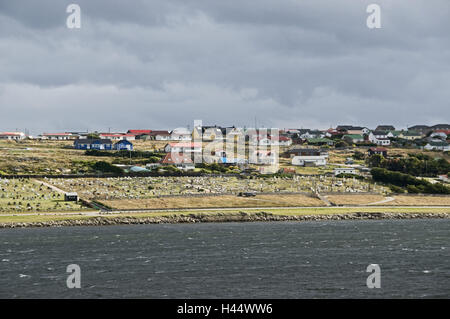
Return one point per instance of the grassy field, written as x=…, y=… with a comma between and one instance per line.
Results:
x=354, y=199
x=420, y=201
x=25, y=195
x=226, y=201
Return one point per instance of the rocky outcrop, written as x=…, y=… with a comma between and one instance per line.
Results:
x=219, y=217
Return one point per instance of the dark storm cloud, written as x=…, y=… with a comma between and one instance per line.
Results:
x=162, y=64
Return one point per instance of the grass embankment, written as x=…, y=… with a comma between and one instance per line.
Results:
x=226, y=201
x=316, y=211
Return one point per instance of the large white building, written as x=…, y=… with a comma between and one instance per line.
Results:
x=345, y=170
x=317, y=160
x=12, y=136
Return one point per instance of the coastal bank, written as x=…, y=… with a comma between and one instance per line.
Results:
x=218, y=217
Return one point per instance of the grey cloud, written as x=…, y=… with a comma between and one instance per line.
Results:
x=168, y=62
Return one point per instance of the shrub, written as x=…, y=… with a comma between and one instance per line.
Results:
x=106, y=167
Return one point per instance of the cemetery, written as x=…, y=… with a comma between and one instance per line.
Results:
x=27, y=195
x=148, y=187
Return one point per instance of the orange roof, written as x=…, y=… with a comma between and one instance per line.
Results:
x=137, y=132
x=173, y=158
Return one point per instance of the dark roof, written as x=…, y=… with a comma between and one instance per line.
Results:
x=418, y=127
x=442, y=143
x=306, y=151
x=348, y=127
x=441, y=126
x=92, y=141
x=154, y=133
x=379, y=133
x=385, y=128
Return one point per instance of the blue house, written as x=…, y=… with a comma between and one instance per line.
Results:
x=123, y=145
x=93, y=144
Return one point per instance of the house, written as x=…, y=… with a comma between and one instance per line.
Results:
x=345, y=170
x=211, y=133
x=318, y=160
x=444, y=178
x=383, y=141
x=377, y=134
x=379, y=138
x=93, y=144
x=12, y=136
x=353, y=138
x=358, y=130
x=319, y=141
x=377, y=150
x=437, y=146
x=446, y=132
x=58, y=136
x=272, y=140
x=117, y=136
x=179, y=161
x=440, y=127
x=439, y=135
x=331, y=132
x=422, y=129
x=306, y=152
x=139, y=132
x=410, y=135
x=160, y=135
x=351, y=130
x=304, y=134
x=183, y=147
x=394, y=134
x=123, y=145
x=385, y=128
x=181, y=134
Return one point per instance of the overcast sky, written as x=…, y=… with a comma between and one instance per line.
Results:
x=160, y=64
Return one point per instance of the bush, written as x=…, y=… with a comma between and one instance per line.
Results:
x=396, y=189
x=412, y=184
x=358, y=155
x=106, y=167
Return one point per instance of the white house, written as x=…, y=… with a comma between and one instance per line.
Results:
x=58, y=136
x=271, y=140
x=437, y=146
x=312, y=134
x=180, y=134
x=12, y=136
x=440, y=135
x=160, y=135
x=345, y=170
x=318, y=160
x=183, y=147
x=118, y=136
x=379, y=138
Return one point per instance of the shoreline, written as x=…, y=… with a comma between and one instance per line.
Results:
x=219, y=218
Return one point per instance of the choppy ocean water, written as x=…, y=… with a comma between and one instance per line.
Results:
x=230, y=260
